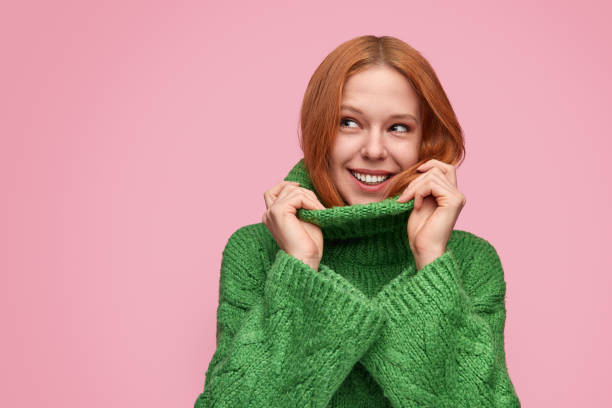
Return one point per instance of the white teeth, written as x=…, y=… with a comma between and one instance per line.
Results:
x=369, y=178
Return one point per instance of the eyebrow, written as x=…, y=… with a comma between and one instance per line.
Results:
x=394, y=116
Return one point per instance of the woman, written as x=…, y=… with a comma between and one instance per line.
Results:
x=354, y=290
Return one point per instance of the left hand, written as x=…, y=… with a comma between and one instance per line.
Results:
x=437, y=204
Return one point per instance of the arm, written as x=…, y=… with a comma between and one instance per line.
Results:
x=443, y=344
x=289, y=341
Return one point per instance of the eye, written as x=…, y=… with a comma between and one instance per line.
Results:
x=346, y=120
x=402, y=125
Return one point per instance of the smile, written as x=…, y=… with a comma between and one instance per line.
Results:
x=376, y=183
x=371, y=180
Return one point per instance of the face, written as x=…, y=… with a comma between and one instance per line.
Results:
x=379, y=132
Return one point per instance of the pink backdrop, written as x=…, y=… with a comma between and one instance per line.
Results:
x=137, y=136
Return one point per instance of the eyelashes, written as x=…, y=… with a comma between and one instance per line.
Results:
x=344, y=120
x=408, y=128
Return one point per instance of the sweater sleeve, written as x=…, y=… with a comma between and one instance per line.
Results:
x=289, y=341
x=443, y=343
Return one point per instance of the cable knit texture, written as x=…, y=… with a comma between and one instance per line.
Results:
x=365, y=330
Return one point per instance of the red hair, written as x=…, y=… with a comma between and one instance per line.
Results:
x=442, y=137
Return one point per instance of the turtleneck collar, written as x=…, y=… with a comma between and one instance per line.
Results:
x=366, y=234
x=353, y=221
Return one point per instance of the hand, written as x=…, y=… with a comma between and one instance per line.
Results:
x=437, y=204
x=300, y=239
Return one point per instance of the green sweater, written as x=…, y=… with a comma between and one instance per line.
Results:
x=365, y=330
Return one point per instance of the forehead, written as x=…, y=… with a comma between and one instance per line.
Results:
x=380, y=88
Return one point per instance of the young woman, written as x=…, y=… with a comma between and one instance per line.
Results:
x=355, y=290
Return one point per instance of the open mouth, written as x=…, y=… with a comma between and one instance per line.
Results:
x=370, y=180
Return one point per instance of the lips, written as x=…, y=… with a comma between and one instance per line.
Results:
x=373, y=172
x=354, y=174
x=369, y=188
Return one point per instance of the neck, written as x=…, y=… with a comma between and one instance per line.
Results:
x=386, y=248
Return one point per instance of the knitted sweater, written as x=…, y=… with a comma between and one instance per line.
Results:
x=365, y=330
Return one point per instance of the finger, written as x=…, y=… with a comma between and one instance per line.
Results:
x=447, y=192
x=443, y=195
x=447, y=169
x=432, y=173
x=441, y=177
x=310, y=201
x=280, y=186
x=268, y=199
x=272, y=194
x=311, y=196
x=435, y=163
x=286, y=189
x=315, y=199
x=294, y=199
x=430, y=185
x=420, y=194
x=408, y=193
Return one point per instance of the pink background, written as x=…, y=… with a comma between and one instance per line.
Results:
x=137, y=136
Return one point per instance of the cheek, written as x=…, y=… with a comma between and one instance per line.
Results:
x=343, y=149
x=406, y=154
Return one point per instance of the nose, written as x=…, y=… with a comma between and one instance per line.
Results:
x=374, y=146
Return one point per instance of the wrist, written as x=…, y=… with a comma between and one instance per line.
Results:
x=426, y=258
x=313, y=264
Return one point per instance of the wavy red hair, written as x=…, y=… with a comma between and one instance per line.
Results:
x=442, y=137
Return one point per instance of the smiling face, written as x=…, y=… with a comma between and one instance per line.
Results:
x=379, y=132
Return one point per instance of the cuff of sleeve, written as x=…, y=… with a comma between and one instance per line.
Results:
x=435, y=287
x=325, y=295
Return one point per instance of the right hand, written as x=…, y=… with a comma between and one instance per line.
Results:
x=300, y=239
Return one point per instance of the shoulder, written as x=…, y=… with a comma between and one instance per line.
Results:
x=477, y=258
x=468, y=244
x=252, y=244
x=244, y=265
